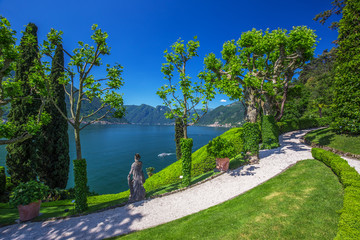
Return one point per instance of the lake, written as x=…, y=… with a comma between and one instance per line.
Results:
x=109, y=151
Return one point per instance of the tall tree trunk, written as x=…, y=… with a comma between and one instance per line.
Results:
x=185, y=131
x=320, y=112
x=77, y=142
x=179, y=134
x=283, y=100
x=251, y=117
x=251, y=109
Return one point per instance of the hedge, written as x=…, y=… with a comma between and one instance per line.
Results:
x=251, y=138
x=80, y=179
x=349, y=224
x=2, y=180
x=269, y=132
x=302, y=123
x=186, y=147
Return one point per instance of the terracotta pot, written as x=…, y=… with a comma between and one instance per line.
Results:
x=222, y=164
x=30, y=211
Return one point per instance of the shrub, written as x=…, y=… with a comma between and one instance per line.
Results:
x=251, y=137
x=26, y=193
x=269, y=133
x=150, y=171
x=80, y=178
x=186, y=147
x=349, y=224
x=302, y=123
x=220, y=148
x=2, y=180
x=237, y=161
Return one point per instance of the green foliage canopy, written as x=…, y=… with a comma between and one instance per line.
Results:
x=78, y=71
x=11, y=90
x=191, y=93
x=346, y=111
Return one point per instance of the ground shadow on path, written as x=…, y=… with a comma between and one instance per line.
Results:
x=93, y=226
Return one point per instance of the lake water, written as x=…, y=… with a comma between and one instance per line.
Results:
x=109, y=151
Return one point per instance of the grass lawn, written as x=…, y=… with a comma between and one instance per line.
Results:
x=301, y=203
x=327, y=137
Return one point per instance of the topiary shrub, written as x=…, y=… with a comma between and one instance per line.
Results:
x=221, y=148
x=2, y=180
x=186, y=147
x=349, y=224
x=269, y=132
x=251, y=137
x=80, y=178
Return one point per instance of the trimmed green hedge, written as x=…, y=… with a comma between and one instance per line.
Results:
x=80, y=179
x=2, y=180
x=269, y=132
x=186, y=147
x=349, y=224
x=302, y=123
x=201, y=163
x=251, y=137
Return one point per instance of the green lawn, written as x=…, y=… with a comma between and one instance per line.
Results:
x=327, y=137
x=301, y=203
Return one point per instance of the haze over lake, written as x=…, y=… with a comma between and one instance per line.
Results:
x=109, y=151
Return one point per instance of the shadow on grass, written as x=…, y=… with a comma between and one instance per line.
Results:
x=322, y=136
x=178, y=185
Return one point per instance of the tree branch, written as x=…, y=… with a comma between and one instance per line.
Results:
x=98, y=119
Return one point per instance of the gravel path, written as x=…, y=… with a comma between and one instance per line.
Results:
x=150, y=213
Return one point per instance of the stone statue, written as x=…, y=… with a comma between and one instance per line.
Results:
x=137, y=190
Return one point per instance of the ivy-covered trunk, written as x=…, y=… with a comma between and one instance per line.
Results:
x=251, y=138
x=269, y=132
x=179, y=134
x=186, y=148
x=80, y=178
x=251, y=108
x=2, y=180
x=251, y=132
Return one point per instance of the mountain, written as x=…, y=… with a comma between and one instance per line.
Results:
x=89, y=107
x=229, y=115
x=147, y=115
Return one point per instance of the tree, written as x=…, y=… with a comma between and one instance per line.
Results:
x=78, y=71
x=53, y=142
x=183, y=96
x=337, y=9
x=347, y=82
x=259, y=67
x=191, y=93
x=10, y=90
x=21, y=158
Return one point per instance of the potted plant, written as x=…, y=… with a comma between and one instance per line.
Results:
x=221, y=149
x=27, y=198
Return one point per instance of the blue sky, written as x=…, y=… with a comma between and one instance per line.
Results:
x=140, y=30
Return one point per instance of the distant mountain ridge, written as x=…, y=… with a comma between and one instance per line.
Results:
x=229, y=115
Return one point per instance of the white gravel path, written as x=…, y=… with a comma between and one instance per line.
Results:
x=149, y=213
